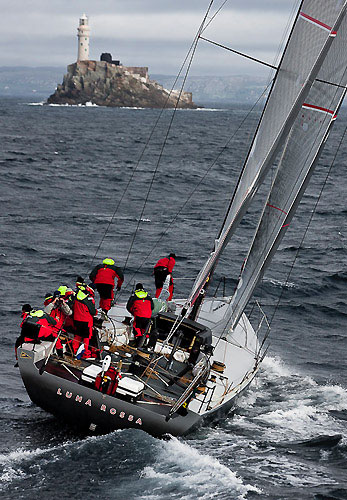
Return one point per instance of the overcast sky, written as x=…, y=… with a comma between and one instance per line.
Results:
x=154, y=33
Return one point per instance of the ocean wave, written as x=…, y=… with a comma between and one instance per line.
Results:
x=282, y=284
x=41, y=103
x=212, y=109
x=194, y=474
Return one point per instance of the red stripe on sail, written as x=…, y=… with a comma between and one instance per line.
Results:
x=316, y=21
x=280, y=209
x=318, y=108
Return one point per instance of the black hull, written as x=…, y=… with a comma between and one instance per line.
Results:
x=92, y=411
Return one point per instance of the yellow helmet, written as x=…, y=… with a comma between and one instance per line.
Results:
x=108, y=262
x=37, y=314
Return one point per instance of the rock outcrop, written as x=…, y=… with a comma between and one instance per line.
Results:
x=107, y=84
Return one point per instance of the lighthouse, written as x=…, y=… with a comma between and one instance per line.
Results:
x=83, y=39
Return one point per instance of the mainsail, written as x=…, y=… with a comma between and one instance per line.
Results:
x=311, y=37
x=300, y=155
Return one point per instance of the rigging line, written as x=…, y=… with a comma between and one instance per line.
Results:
x=199, y=183
x=214, y=15
x=263, y=62
x=331, y=83
x=239, y=53
x=148, y=140
x=309, y=222
x=196, y=40
x=286, y=30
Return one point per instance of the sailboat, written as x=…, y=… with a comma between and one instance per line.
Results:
x=207, y=352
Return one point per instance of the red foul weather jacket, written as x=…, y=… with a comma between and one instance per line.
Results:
x=46, y=326
x=106, y=274
x=140, y=307
x=84, y=307
x=168, y=262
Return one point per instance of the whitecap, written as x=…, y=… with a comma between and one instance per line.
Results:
x=283, y=284
x=182, y=466
x=35, y=103
x=274, y=365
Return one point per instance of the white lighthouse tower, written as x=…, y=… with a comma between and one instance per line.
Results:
x=83, y=39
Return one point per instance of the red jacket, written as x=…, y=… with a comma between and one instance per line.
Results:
x=45, y=324
x=168, y=262
x=141, y=307
x=106, y=274
x=84, y=307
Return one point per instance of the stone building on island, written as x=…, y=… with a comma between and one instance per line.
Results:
x=108, y=83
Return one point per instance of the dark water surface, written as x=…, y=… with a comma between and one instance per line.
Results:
x=63, y=172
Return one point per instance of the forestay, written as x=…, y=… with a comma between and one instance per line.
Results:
x=312, y=34
x=300, y=155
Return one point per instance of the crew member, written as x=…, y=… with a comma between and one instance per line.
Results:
x=162, y=268
x=103, y=276
x=140, y=305
x=83, y=312
x=26, y=308
x=25, y=312
x=58, y=308
x=38, y=326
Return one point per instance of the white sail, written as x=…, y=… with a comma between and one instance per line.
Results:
x=313, y=32
x=297, y=163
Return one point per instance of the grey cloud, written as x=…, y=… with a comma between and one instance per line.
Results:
x=155, y=33
x=52, y=7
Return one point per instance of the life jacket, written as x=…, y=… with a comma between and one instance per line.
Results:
x=109, y=382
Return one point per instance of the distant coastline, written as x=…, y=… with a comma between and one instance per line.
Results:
x=40, y=82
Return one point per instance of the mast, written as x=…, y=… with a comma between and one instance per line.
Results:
x=299, y=158
x=309, y=42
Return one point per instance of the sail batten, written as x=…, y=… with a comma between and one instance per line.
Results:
x=296, y=75
x=299, y=157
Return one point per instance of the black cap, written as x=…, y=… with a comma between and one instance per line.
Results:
x=79, y=279
x=48, y=295
x=26, y=308
x=172, y=255
x=139, y=286
x=56, y=294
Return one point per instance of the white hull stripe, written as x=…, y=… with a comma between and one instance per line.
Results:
x=311, y=107
x=314, y=21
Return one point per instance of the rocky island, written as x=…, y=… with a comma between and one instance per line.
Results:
x=110, y=84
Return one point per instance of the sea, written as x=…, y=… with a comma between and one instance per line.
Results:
x=81, y=183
